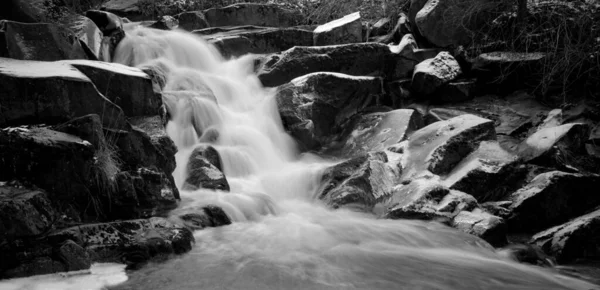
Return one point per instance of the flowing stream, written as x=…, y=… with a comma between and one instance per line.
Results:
x=281, y=236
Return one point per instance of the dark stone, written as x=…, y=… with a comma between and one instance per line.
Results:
x=24, y=213
x=166, y=23
x=210, y=216
x=552, y=198
x=576, y=239
x=107, y=22
x=271, y=15
x=40, y=41
x=312, y=106
x=88, y=128
x=507, y=71
x=74, y=256
x=192, y=20
x=433, y=73
x=204, y=170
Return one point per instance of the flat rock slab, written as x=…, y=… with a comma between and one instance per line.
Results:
x=482, y=224
x=347, y=29
x=575, y=239
x=555, y=145
x=552, y=198
x=35, y=92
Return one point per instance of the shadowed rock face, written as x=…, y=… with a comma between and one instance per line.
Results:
x=573, y=240
x=252, y=14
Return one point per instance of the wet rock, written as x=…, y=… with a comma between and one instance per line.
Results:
x=488, y=173
x=24, y=212
x=74, y=256
x=425, y=199
x=431, y=74
x=530, y=254
x=447, y=23
x=111, y=26
x=166, y=23
x=131, y=242
x=204, y=170
x=36, y=266
x=59, y=163
x=360, y=59
x=358, y=183
x=243, y=40
x=51, y=92
x=576, y=239
x=270, y=15
x=556, y=146
x=552, y=198
x=508, y=70
x=127, y=87
x=440, y=146
x=40, y=41
x=210, y=216
x=347, y=29
x=376, y=131
x=143, y=193
x=192, y=20
x=497, y=208
x=312, y=106
x=482, y=224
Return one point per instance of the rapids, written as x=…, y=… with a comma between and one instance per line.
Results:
x=281, y=236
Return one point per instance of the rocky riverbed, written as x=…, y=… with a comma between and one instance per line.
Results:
x=412, y=130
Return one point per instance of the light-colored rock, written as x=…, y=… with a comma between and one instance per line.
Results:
x=555, y=145
x=552, y=198
x=431, y=74
x=488, y=173
x=439, y=147
x=347, y=29
x=575, y=239
x=482, y=224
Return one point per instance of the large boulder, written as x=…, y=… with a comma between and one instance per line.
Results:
x=28, y=11
x=131, y=9
x=360, y=59
x=439, y=147
x=270, y=15
x=576, y=239
x=88, y=33
x=192, y=20
x=51, y=92
x=552, y=198
x=204, y=170
x=238, y=41
x=396, y=33
x=313, y=106
x=112, y=29
x=127, y=87
x=375, y=132
x=24, y=212
x=62, y=164
x=40, y=41
x=420, y=198
x=431, y=74
x=347, y=29
x=358, y=183
x=130, y=242
x=448, y=22
x=488, y=173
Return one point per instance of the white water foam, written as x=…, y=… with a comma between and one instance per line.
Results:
x=282, y=237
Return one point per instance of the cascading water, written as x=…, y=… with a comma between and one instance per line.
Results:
x=282, y=237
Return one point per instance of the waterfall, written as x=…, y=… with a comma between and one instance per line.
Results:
x=282, y=238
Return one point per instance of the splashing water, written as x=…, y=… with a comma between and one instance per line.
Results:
x=282, y=237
